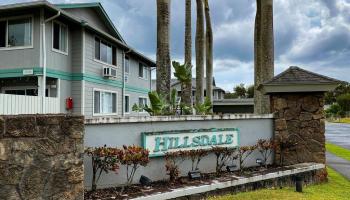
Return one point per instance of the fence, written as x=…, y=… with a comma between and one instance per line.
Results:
x=20, y=104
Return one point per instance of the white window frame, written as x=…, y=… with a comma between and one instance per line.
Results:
x=6, y=37
x=102, y=62
x=144, y=70
x=138, y=102
x=126, y=95
x=67, y=37
x=93, y=102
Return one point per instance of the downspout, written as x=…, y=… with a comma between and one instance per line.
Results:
x=123, y=77
x=44, y=58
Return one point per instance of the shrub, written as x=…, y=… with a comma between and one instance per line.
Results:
x=265, y=147
x=196, y=156
x=133, y=157
x=344, y=102
x=203, y=108
x=243, y=153
x=103, y=159
x=334, y=110
x=223, y=154
x=172, y=162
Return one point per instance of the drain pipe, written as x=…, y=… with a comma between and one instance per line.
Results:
x=44, y=58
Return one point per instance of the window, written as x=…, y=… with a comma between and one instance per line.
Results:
x=127, y=65
x=16, y=32
x=105, y=102
x=60, y=37
x=26, y=92
x=105, y=52
x=142, y=71
x=127, y=104
x=142, y=102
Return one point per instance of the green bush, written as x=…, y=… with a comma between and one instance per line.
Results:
x=344, y=102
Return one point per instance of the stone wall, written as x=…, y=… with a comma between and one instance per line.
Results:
x=299, y=120
x=41, y=157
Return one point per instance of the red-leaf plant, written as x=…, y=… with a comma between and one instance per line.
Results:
x=223, y=155
x=172, y=162
x=243, y=153
x=133, y=157
x=196, y=155
x=265, y=147
x=103, y=159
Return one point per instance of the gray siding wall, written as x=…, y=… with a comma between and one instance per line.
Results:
x=118, y=134
x=134, y=98
x=89, y=15
x=133, y=75
x=65, y=92
x=23, y=58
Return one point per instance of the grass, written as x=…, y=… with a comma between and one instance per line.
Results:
x=341, y=120
x=338, y=151
x=338, y=188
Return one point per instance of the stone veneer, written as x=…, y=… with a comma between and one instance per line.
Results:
x=41, y=157
x=299, y=118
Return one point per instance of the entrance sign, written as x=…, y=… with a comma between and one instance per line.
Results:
x=161, y=142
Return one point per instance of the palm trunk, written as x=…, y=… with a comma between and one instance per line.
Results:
x=200, y=45
x=209, y=52
x=263, y=53
x=163, y=48
x=187, y=87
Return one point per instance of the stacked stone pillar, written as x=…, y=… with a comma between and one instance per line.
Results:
x=299, y=119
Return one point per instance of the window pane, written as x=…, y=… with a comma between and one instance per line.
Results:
x=114, y=56
x=126, y=104
x=109, y=54
x=145, y=72
x=127, y=65
x=56, y=36
x=16, y=92
x=19, y=32
x=103, y=51
x=97, y=48
x=114, y=102
x=97, y=102
x=3, y=34
x=140, y=70
x=63, y=38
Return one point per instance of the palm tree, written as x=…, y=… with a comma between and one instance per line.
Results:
x=200, y=52
x=186, y=95
x=209, y=52
x=263, y=53
x=163, y=48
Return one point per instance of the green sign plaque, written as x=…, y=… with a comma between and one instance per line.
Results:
x=161, y=142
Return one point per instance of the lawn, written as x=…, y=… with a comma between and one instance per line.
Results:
x=337, y=188
x=338, y=151
x=342, y=120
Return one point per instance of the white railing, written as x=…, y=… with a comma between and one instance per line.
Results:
x=20, y=104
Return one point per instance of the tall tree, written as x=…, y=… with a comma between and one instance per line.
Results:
x=209, y=52
x=263, y=53
x=163, y=48
x=200, y=45
x=187, y=88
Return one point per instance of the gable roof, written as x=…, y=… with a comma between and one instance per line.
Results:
x=295, y=79
x=297, y=75
x=100, y=10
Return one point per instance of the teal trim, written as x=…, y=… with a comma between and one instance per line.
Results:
x=77, y=5
x=12, y=73
x=145, y=134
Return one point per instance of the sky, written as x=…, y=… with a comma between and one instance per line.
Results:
x=312, y=34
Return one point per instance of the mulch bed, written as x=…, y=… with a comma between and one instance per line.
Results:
x=165, y=186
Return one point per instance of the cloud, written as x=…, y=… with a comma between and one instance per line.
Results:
x=313, y=34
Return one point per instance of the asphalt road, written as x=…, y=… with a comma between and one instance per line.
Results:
x=338, y=134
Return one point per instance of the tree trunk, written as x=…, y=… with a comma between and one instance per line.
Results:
x=163, y=48
x=200, y=45
x=209, y=52
x=263, y=53
x=187, y=87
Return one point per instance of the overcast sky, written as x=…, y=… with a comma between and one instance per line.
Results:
x=312, y=34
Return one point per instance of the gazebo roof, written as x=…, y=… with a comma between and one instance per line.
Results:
x=295, y=79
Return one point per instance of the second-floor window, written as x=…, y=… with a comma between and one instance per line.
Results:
x=60, y=37
x=105, y=52
x=127, y=65
x=142, y=71
x=16, y=32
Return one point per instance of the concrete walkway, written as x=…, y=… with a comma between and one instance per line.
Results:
x=340, y=165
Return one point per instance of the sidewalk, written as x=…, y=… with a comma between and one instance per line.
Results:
x=340, y=165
